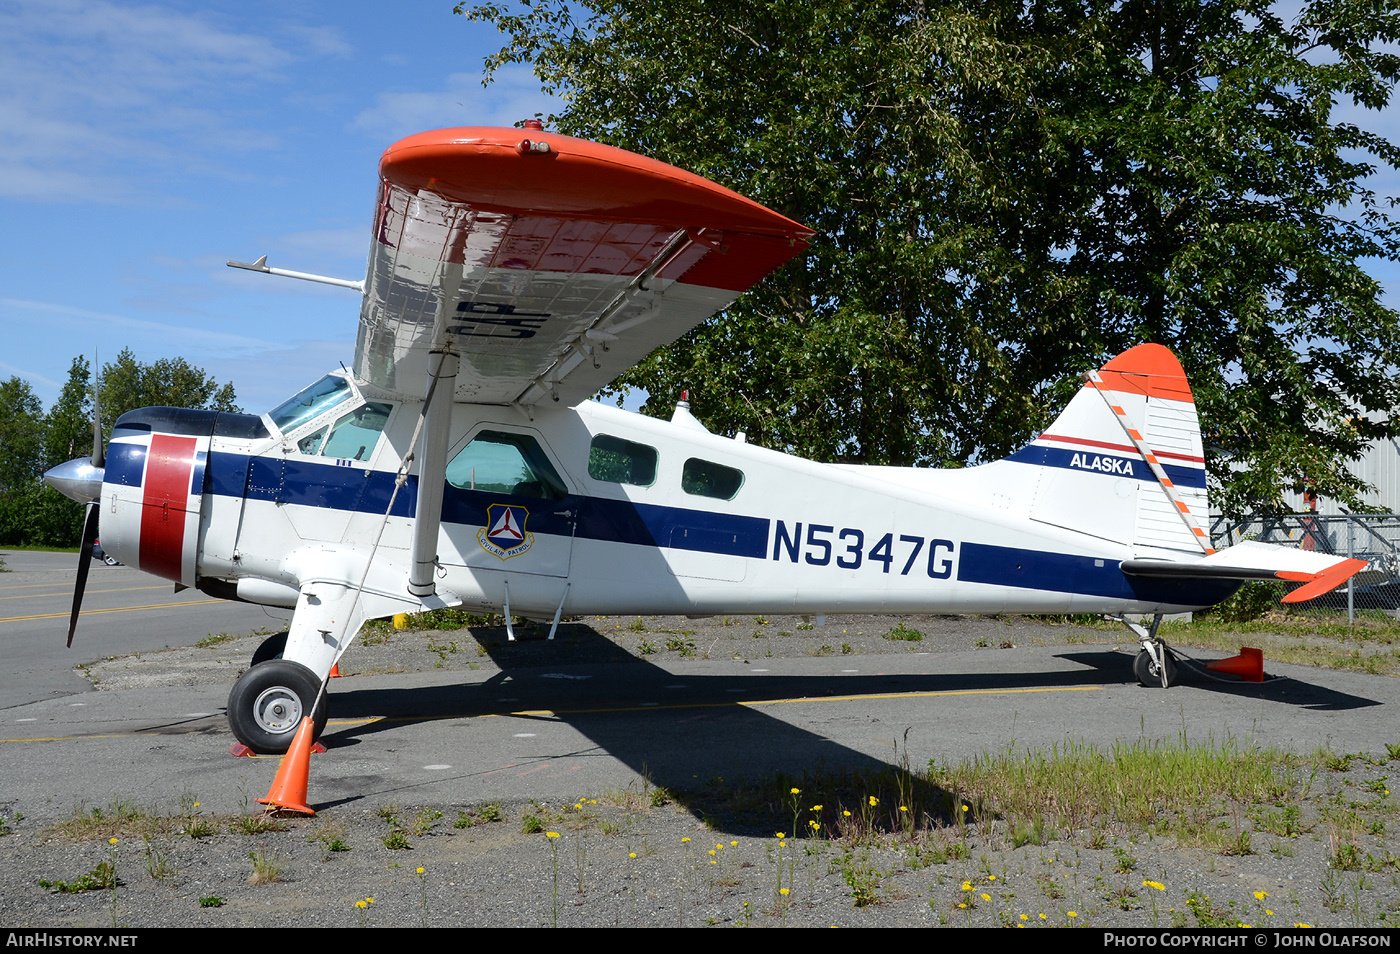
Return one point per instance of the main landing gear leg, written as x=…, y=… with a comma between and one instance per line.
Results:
x=1154, y=664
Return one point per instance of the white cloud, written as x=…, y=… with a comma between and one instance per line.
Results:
x=86, y=325
x=95, y=95
x=513, y=95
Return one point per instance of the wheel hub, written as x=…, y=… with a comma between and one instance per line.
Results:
x=277, y=710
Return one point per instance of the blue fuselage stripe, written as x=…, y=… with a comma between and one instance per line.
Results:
x=313, y=484
x=1090, y=576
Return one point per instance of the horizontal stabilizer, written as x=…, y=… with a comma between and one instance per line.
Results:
x=1319, y=572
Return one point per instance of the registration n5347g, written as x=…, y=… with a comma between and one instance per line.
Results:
x=825, y=545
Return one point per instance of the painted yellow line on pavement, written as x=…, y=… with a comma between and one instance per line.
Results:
x=68, y=591
x=114, y=609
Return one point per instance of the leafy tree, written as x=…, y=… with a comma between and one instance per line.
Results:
x=69, y=425
x=1007, y=194
x=21, y=456
x=168, y=382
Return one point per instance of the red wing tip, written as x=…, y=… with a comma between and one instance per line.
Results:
x=481, y=166
x=1318, y=584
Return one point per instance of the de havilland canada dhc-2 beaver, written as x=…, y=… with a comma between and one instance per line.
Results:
x=459, y=462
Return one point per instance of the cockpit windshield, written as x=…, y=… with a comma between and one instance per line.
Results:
x=310, y=402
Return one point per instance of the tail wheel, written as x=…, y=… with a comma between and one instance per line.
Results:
x=1149, y=674
x=269, y=701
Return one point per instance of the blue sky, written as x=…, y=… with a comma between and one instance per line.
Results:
x=144, y=144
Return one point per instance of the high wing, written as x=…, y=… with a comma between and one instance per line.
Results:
x=549, y=264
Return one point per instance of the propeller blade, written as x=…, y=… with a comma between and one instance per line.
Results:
x=99, y=453
x=84, y=558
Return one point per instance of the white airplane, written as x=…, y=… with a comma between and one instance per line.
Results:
x=513, y=273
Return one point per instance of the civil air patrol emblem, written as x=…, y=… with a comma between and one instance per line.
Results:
x=505, y=534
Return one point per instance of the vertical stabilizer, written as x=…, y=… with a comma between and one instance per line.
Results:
x=1124, y=461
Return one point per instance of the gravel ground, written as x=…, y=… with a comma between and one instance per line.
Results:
x=711, y=856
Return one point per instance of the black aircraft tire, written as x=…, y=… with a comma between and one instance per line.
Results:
x=267, y=704
x=271, y=648
x=1147, y=673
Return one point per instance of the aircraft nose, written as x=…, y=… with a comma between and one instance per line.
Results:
x=77, y=479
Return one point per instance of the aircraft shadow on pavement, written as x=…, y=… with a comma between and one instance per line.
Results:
x=1280, y=689
x=681, y=731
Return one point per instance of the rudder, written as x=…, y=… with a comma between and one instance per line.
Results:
x=1125, y=461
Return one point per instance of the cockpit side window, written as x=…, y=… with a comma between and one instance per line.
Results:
x=310, y=402
x=353, y=437
x=502, y=463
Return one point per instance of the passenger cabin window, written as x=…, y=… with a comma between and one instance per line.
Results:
x=705, y=478
x=310, y=402
x=621, y=462
x=501, y=463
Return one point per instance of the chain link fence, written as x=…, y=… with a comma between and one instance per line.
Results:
x=1374, y=537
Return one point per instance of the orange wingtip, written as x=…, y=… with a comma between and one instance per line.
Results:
x=1149, y=369
x=1316, y=584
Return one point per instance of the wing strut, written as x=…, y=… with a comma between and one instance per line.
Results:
x=432, y=468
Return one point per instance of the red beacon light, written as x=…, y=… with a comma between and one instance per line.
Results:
x=535, y=146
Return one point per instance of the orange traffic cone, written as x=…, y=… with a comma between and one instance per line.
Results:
x=1248, y=665
x=288, y=791
x=335, y=671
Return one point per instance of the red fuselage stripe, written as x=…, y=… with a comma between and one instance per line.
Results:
x=167, y=492
x=1120, y=447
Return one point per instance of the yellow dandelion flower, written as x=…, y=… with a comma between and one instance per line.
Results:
x=551, y=834
x=779, y=834
x=816, y=808
x=1301, y=924
x=903, y=809
x=712, y=851
x=782, y=844
x=631, y=854
x=964, y=808
x=359, y=904
x=796, y=791
x=1268, y=912
x=847, y=814
x=111, y=841
x=734, y=844
x=783, y=892
x=1073, y=914
x=1154, y=884
x=991, y=877
x=684, y=840
x=420, y=871
x=369, y=900
x=1260, y=895
x=874, y=801
x=962, y=904
x=1025, y=917
x=1042, y=917
x=986, y=896
x=196, y=804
